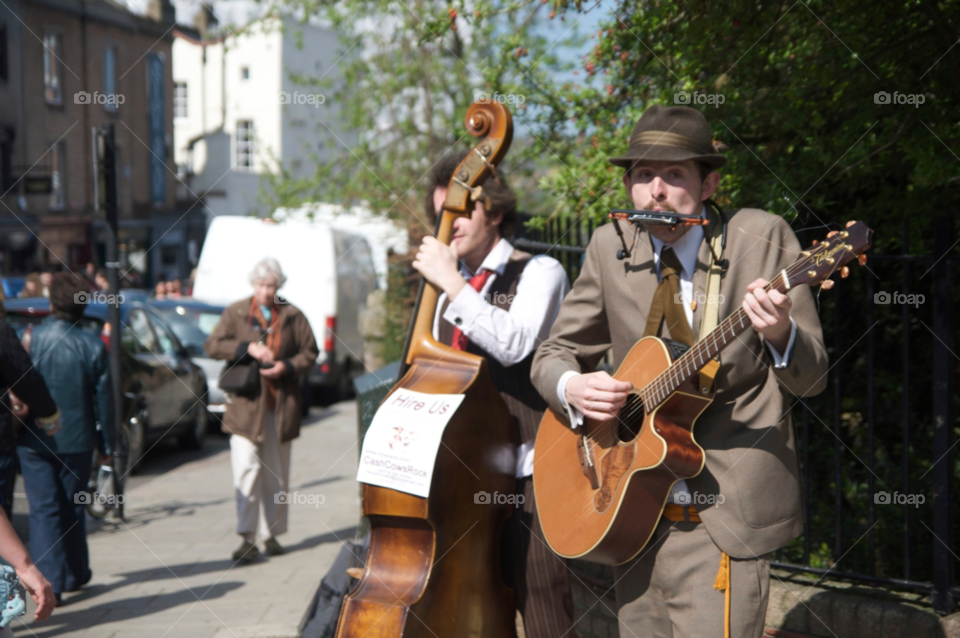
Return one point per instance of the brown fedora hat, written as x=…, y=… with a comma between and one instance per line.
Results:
x=670, y=134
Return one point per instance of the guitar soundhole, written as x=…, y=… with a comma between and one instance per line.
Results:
x=630, y=418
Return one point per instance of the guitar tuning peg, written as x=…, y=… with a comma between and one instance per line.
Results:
x=850, y=223
x=828, y=284
x=844, y=272
x=862, y=260
x=816, y=242
x=831, y=234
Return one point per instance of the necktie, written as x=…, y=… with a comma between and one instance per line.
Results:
x=476, y=282
x=666, y=301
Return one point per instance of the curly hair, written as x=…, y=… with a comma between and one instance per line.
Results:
x=498, y=197
x=69, y=295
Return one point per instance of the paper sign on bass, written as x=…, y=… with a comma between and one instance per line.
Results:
x=400, y=448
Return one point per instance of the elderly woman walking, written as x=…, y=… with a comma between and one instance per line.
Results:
x=274, y=342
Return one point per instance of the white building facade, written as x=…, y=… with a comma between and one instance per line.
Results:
x=239, y=111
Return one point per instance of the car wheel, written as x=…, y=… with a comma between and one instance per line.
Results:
x=134, y=433
x=192, y=439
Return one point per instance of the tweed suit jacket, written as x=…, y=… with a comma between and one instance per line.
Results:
x=747, y=432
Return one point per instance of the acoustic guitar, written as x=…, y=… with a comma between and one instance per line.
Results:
x=601, y=489
x=433, y=564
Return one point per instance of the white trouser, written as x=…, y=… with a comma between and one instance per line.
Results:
x=260, y=473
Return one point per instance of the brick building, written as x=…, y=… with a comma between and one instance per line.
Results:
x=67, y=66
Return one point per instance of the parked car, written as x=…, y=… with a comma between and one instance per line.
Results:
x=192, y=321
x=165, y=392
x=329, y=274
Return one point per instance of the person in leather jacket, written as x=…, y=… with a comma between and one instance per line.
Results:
x=73, y=362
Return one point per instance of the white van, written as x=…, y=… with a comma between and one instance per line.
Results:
x=329, y=275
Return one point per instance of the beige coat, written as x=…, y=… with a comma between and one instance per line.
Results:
x=747, y=432
x=298, y=349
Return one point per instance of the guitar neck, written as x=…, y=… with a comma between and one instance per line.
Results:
x=658, y=390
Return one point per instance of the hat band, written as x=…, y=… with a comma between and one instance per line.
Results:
x=664, y=138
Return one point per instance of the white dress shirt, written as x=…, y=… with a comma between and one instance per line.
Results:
x=509, y=336
x=686, y=249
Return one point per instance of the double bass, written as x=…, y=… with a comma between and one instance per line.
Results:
x=432, y=567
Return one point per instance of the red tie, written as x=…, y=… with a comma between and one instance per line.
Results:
x=476, y=282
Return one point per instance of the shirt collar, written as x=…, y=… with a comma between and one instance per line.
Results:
x=496, y=260
x=686, y=248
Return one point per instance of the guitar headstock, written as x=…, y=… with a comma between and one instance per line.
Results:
x=820, y=261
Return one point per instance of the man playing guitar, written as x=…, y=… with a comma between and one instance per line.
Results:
x=745, y=502
x=500, y=304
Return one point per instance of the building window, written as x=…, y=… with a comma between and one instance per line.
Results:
x=245, y=73
x=245, y=144
x=52, y=75
x=110, y=77
x=58, y=183
x=179, y=99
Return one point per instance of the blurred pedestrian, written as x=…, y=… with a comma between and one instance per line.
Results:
x=73, y=362
x=24, y=394
x=100, y=280
x=46, y=278
x=160, y=290
x=277, y=336
x=32, y=286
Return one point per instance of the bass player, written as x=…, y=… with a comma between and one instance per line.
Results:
x=718, y=526
x=499, y=303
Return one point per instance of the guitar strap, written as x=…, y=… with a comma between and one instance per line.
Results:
x=711, y=313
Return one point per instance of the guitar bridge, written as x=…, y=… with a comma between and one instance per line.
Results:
x=586, y=461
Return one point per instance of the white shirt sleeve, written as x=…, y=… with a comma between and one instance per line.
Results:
x=780, y=362
x=575, y=416
x=509, y=336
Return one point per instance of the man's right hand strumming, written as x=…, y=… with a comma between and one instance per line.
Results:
x=597, y=395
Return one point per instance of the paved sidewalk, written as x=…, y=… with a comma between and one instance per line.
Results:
x=166, y=571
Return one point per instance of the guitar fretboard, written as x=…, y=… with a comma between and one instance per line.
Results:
x=658, y=390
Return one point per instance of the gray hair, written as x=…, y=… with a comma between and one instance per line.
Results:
x=268, y=267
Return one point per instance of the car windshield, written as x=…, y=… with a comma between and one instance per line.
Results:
x=192, y=326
